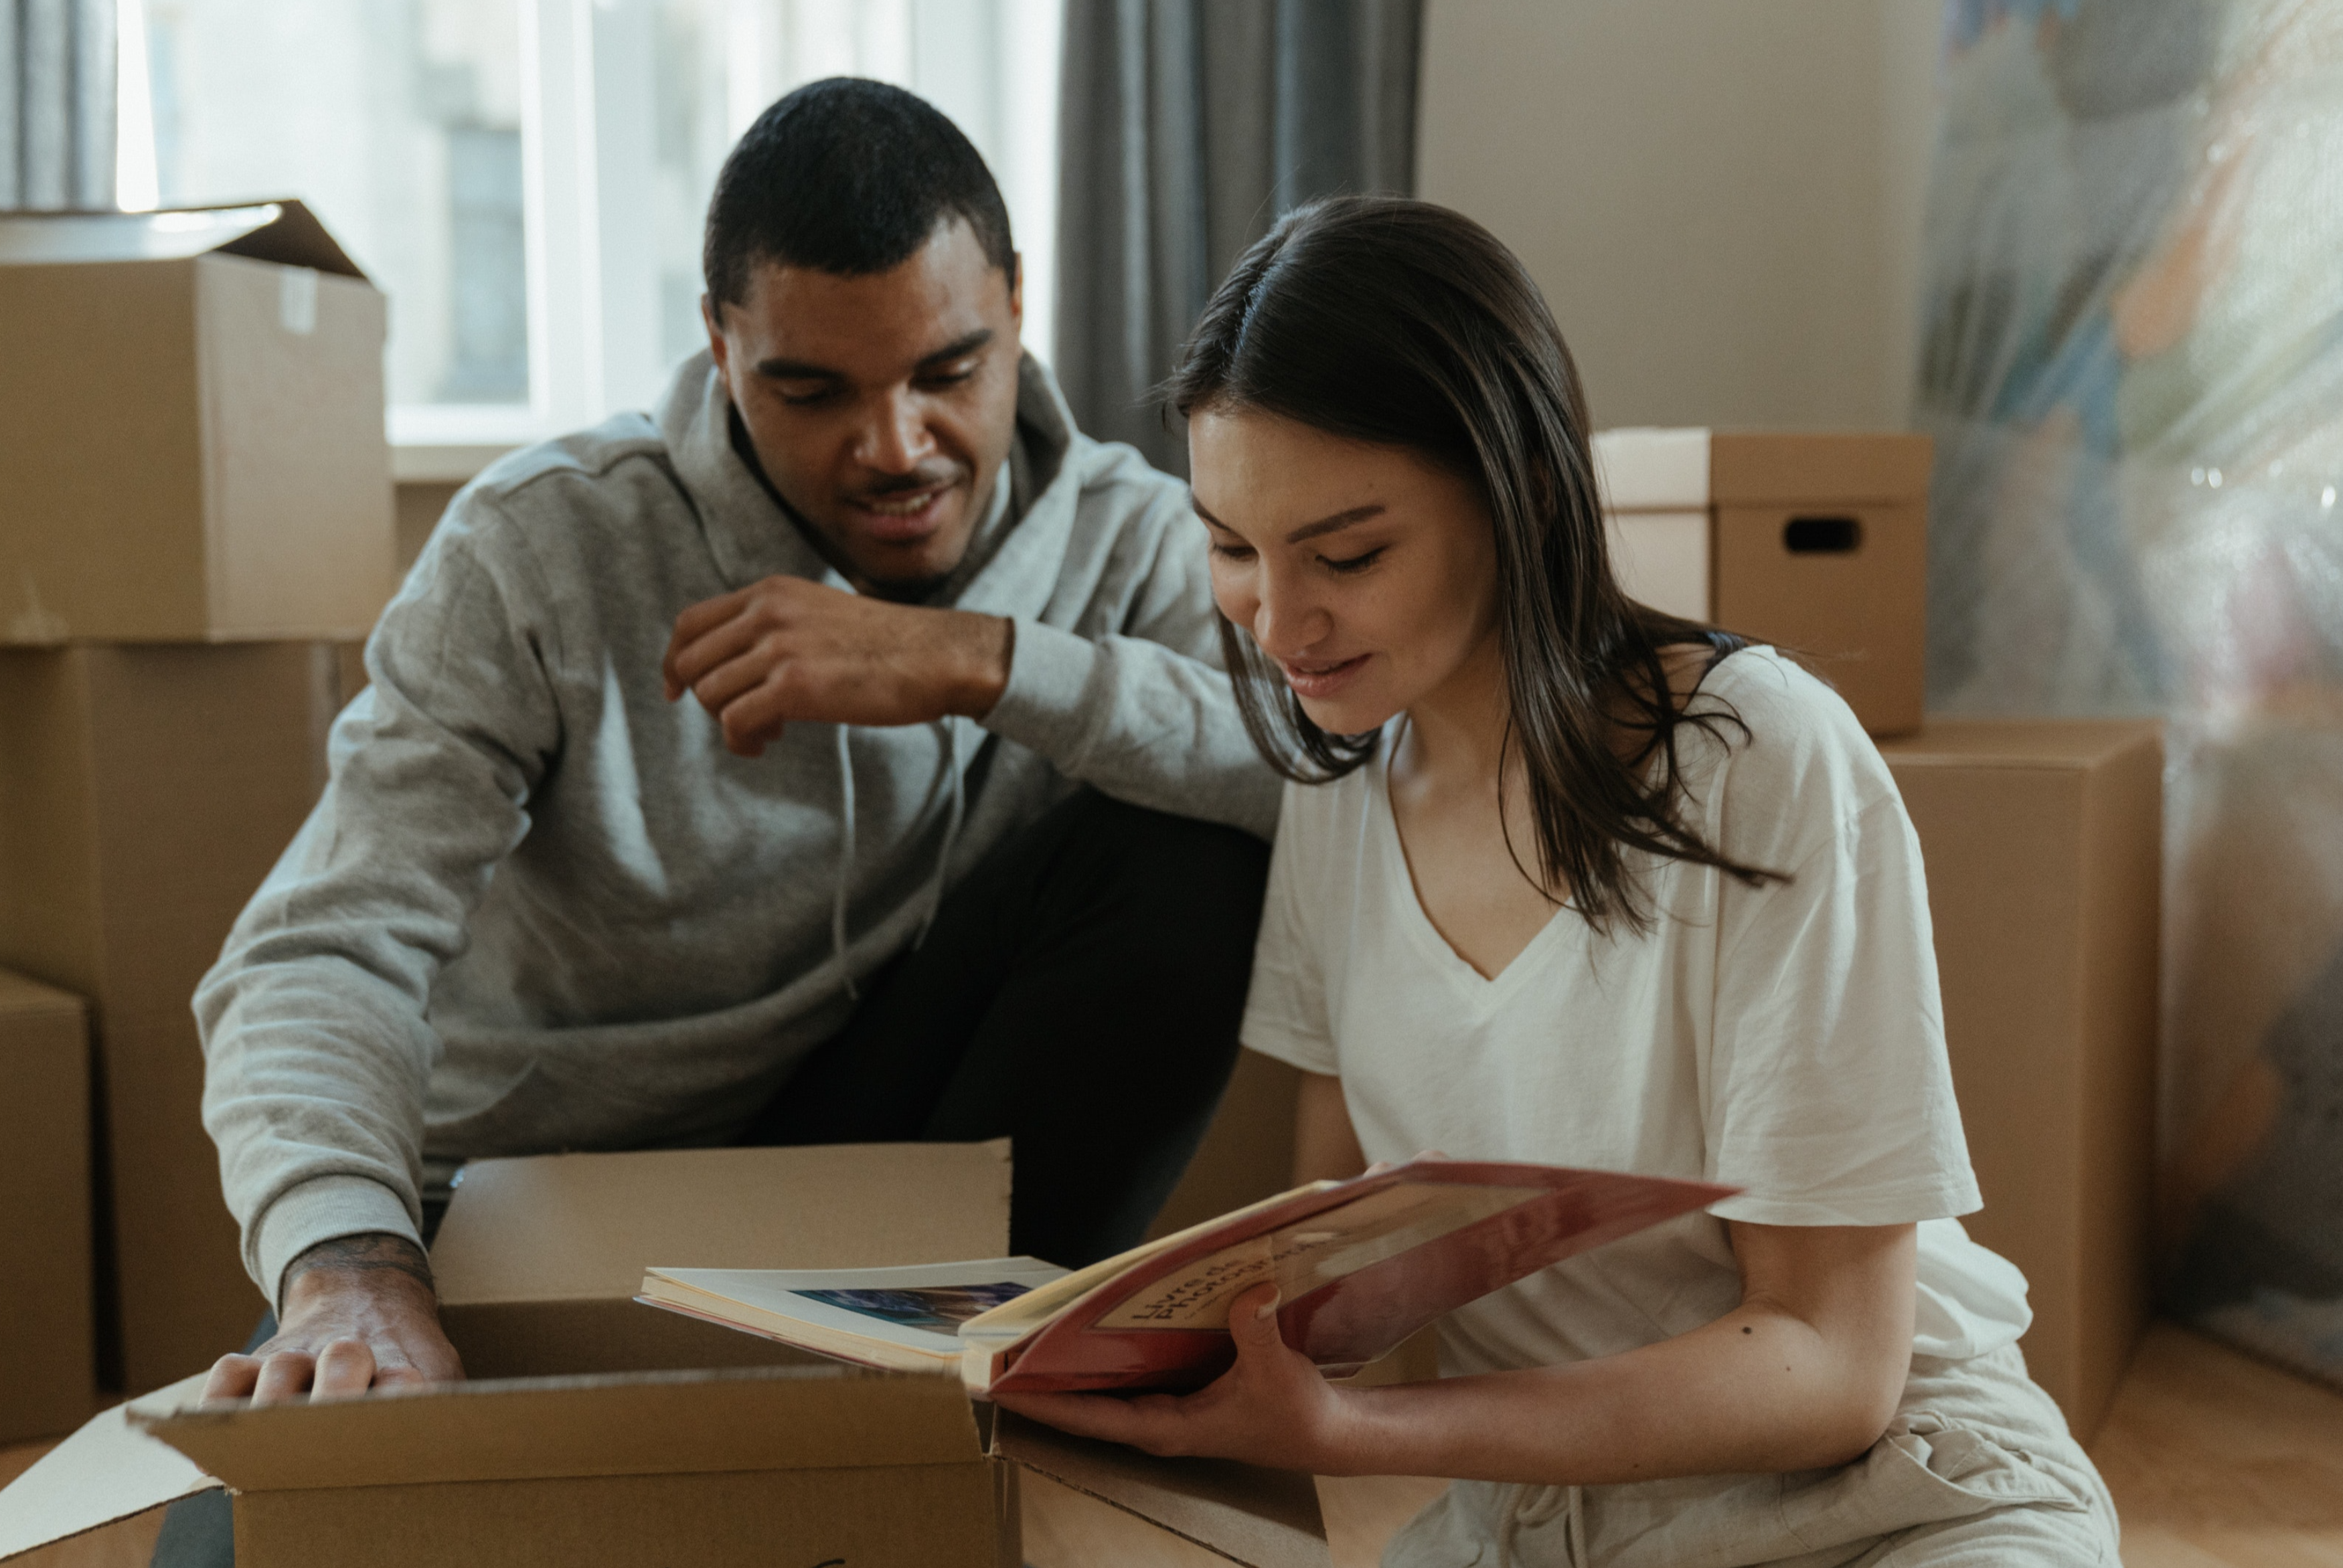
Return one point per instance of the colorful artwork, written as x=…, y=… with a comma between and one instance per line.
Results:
x=2133, y=369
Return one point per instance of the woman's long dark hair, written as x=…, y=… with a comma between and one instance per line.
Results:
x=1400, y=324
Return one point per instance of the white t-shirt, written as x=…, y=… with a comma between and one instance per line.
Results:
x=1787, y=1039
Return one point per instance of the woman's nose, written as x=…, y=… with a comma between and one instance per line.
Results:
x=1286, y=618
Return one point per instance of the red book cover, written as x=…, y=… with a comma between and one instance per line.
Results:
x=1359, y=1265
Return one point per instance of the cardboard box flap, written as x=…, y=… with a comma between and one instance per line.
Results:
x=583, y=1227
x=283, y=231
x=1259, y=1517
x=1952, y=741
x=106, y=1471
x=1797, y=468
x=1642, y=470
x=26, y=998
x=538, y=1429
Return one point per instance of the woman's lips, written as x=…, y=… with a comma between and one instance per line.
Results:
x=1320, y=679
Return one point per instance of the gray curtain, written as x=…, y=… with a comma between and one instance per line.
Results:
x=56, y=103
x=1186, y=128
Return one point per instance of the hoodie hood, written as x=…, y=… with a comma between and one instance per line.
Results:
x=753, y=535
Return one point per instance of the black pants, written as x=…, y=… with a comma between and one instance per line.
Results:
x=1079, y=993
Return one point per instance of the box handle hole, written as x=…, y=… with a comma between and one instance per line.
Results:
x=1821, y=536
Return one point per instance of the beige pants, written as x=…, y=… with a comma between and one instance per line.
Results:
x=1977, y=1470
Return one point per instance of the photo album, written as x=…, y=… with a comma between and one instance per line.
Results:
x=1359, y=1265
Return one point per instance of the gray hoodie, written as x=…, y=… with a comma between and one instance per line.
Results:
x=539, y=907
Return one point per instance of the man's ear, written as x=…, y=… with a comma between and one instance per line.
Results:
x=711, y=315
x=1017, y=287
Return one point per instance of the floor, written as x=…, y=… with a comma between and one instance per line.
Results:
x=2216, y=1462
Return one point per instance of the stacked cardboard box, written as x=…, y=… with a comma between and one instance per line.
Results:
x=48, y=1355
x=198, y=501
x=2044, y=846
x=1815, y=543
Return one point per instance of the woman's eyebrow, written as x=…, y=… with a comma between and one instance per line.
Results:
x=1335, y=524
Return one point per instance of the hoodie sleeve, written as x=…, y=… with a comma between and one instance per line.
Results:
x=1132, y=700
x=317, y=1052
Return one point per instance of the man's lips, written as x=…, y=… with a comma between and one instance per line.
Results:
x=1321, y=678
x=905, y=517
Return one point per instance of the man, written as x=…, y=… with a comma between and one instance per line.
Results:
x=790, y=765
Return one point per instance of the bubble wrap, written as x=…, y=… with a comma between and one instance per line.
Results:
x=2133, y=369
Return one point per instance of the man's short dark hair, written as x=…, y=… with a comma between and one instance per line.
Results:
x=849, y=177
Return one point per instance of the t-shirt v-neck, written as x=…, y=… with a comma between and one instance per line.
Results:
x=1437, y=952
x=1784, y=1039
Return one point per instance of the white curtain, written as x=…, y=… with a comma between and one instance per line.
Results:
x=57, y=103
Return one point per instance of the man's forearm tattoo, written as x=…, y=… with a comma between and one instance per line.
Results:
x=375, y=1252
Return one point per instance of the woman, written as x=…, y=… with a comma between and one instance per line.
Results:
x=1561, y=879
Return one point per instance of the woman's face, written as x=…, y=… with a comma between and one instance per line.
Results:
x=1366, y=572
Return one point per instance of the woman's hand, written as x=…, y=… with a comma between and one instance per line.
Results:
x=1271, y=1408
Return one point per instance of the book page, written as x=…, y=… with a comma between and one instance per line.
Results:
x=1313, y=1252
x=1016, y=1318
x=920, y=1308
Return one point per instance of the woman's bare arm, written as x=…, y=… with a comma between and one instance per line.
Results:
x=1325, y=1148
x=1806, y=1373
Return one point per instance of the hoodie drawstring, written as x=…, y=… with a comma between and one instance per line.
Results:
x=845, y=862
x=952, y=820
x=951, y=829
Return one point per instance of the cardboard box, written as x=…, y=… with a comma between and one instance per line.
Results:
x=192, y=427
x=48, y=1357
x=2044, y=845
x=600, y=1430
x=145, y=791
x=1815, y=543
x=1247, y=1152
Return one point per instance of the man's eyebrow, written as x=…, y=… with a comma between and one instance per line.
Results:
x=798, y=370
x=960, y=348
x=803, y=370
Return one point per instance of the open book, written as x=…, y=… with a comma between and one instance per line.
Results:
x=1359, y=1265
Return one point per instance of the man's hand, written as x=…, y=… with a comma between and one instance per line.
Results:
x=785, y=649
x=1273, y=1408
x=359, y=1313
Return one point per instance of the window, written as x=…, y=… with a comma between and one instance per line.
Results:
x=526, y=178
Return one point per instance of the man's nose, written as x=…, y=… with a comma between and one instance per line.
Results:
x=895, y=439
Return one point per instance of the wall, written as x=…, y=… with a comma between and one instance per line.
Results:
x=1722, y=200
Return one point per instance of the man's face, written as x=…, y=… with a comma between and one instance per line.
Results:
x=881, y=407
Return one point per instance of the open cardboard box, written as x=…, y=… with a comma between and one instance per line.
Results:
x=596, y=1430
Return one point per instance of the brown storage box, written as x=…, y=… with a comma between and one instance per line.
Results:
x=47, y=1355
x=1247, y=1153
x=2044, y=840
x=600, y=1430
x=191, y=425
x=145, y=791
x=1816, y=543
